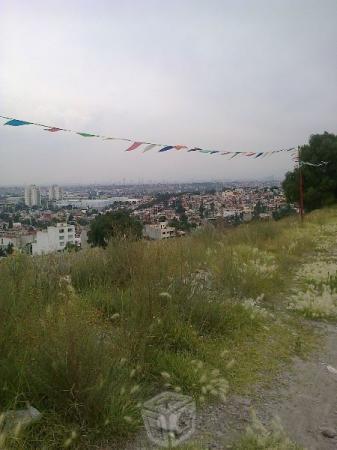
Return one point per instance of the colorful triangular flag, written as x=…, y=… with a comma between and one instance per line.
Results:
x=17, y=123
x=149, y=147
x=87, y=135
x=53, y=129
x=165, y=149
x=134, y=146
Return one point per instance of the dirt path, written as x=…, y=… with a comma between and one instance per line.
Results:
x=304, y=397
x=306, y=401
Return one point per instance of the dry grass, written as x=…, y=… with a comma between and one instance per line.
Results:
x=86, y=337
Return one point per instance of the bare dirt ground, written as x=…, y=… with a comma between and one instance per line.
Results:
x=303, y=396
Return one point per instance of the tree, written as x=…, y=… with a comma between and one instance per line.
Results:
x=179, y=207
x=10, y=248
x=320, y=180
x=182, y=224
x=259, y=208
x=174, y=223
x=284, y=211
x=82, y=221
x=117, y=224
x=201, y=210
x=238, y=219
x=71, y=247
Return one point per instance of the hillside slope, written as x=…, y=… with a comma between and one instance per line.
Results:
x=87, y=337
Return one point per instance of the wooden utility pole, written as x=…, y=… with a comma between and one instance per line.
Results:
x=301, y=184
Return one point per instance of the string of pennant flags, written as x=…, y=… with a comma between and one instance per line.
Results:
x=147, y=146
x=306, y=163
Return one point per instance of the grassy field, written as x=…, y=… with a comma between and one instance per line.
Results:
x=87, y=337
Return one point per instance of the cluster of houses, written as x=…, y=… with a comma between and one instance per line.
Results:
x=63, y=235
x=199, y=209
x=38, y=230
x=38, y=242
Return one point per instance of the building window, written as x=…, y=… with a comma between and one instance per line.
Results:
x=61, y=230
x=61, y=238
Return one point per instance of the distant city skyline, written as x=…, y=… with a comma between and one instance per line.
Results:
x=223, y=74
x=47, y=185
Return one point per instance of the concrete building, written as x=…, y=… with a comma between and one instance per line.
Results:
x=32, y=195
x=20, y=239
x=159, y=231
x=5, y=241
x=84, y=238
x=54, y=239
x=247, y=215
x=55, y=193
x=97, y=203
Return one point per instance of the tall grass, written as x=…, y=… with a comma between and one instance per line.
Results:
x=86, y=337
x=259, y=437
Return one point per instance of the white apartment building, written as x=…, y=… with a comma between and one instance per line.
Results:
x=54, y=239
x=32, y=195
x=19, y=239
x=55, y=193
x=5, y=241
x=159, y=231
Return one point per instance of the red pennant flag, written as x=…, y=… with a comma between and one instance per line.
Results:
x=134, y=146
x=53, y=129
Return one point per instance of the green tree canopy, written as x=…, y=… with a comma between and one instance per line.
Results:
x=320, y=181
x=10, y=249
x=118, y=224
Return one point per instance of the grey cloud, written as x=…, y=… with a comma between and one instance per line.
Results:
x=219, y=74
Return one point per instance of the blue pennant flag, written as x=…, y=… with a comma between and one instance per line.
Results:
x=165, y=149
x=17, y=123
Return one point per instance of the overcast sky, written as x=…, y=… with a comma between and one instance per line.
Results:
x=232, y=75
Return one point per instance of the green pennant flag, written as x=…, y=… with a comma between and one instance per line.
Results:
x=87, y=135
